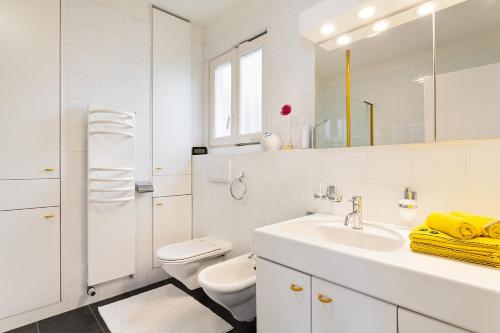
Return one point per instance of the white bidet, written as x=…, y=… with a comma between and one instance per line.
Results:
x=231, y=283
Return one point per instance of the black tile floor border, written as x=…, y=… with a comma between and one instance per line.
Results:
x=88, y=320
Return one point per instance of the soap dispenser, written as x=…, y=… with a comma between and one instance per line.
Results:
x=408, y=206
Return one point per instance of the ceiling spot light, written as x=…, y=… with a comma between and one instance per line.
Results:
x=366, y=12
x=426, y=9
x=380, y=26
x=327, y=29
x=343, y=40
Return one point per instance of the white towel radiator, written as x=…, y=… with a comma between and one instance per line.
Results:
x=110, y=195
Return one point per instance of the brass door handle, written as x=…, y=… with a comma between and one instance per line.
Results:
x=49, y=216
x=49, y=169
x=296, y=288
x=159, y=204
x=324, y=299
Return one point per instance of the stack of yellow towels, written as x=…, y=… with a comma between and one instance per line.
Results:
x=459, y=236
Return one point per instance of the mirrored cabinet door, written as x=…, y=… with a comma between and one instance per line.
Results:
x=468, y=70
x=377, y=89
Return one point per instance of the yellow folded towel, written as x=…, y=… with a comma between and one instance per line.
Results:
x=489, y=226
x=480, y=250
x=454, y=226
x=454, y=254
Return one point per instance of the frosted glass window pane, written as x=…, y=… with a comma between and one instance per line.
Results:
x=251, y=92
x=222, y=100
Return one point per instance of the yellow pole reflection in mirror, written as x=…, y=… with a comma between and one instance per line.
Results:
x=348, y=95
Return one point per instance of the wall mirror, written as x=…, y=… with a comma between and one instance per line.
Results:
x=374, y=90
x=468, y=70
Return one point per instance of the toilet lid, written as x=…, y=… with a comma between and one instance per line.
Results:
x=191, y=248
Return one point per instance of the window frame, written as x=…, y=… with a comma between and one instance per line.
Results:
x=233, y=57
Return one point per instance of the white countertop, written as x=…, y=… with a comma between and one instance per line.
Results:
x=462, y=294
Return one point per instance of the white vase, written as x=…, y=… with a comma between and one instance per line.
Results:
x=270, y=142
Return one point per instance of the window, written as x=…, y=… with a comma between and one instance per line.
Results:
x=236, y=94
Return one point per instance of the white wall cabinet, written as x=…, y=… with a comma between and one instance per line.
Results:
x=412, y=322
x=29, y=89
x=283, y=299
x=171, y=95
x=30, y=155
x=172, y=203
x=338, y=309
x=29, y=257
x=171, y=221
x=294, y=302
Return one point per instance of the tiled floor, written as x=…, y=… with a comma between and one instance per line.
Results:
x=87, y=319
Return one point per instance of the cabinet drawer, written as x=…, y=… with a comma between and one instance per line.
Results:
x=30, y=256
x=31, y=193
x=412, y=322
x=338, y=309
x=171, y=185
x=283, y=299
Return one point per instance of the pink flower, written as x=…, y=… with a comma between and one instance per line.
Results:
x=286, y=110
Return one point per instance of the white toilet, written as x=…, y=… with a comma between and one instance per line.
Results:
x=232, y=284
x=185, y=260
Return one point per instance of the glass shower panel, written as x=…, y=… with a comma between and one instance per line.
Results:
x=361, y=123
x=331, y=125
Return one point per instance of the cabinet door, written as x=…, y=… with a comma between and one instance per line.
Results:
x=29, y=257
x=283, y=299
x=171, y=95
x=338, y=309
x=412, y=322
x=29, y=89
x=172, y=221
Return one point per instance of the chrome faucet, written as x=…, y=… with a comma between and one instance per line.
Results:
x=357, y=213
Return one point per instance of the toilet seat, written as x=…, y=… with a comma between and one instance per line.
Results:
x=192, y=250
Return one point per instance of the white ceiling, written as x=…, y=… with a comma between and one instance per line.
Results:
x=199, y=12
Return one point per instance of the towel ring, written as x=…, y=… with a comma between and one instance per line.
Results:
x=241, y=180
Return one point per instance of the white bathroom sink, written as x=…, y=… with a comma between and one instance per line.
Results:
x=371, y=237
x=377, y=261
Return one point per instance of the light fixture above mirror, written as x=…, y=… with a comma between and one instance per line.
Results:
x=366, y=12
x=327, y=29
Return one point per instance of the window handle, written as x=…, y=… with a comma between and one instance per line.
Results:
x=229, y=118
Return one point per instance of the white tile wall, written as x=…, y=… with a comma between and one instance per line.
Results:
x=446, y=176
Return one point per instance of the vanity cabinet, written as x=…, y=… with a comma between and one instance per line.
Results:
x=283, y=299
x=295, y=302
x=338, y=309
x=292, y=301
x=412, y=322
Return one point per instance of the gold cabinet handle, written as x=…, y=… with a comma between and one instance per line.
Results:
x=296, y=288
x=158, y=168
x=49, y=169
x=324, y=299
x=49, y=216
x=159, y=204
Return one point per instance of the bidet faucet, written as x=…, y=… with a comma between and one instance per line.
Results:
x=357, y=213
